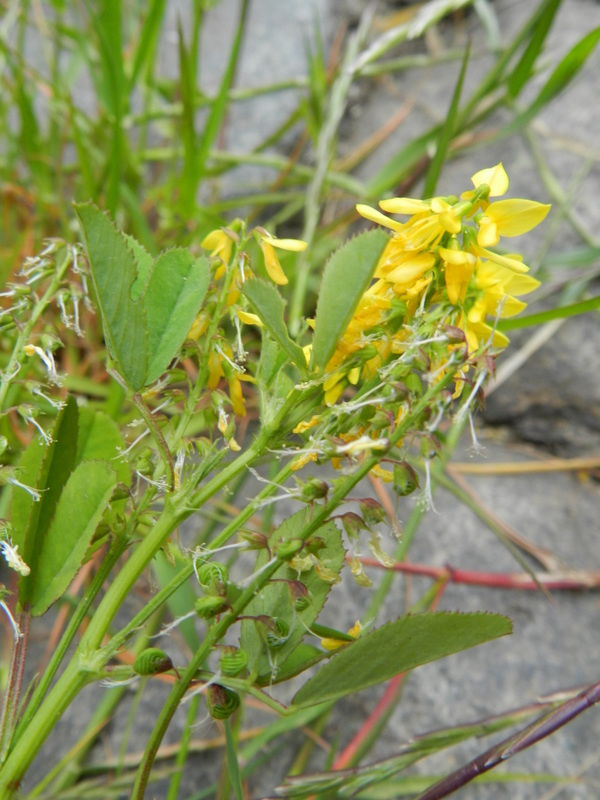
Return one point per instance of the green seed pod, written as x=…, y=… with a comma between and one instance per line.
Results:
x=152, y=661
x=233, y=661
x=280, y=636
x=209, y=606
x=211, y=573
x=221, y=702
x=406, y=479
x=287, y=549
x=302, y=603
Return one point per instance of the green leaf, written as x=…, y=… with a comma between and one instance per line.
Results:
x=114, y=272
x=64, y=545
x=272, y=359
x=173, y=298
x=303, y=657
x=269, y=305
x=143, y=262
x=56, y=466
x=100, y=439
x=347, y=275
x=275, y=600
x=396, y=647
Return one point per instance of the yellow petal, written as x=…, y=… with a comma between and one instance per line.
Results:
x=219, y=244
x=515, y=217
x=302, y=460
x=411, y=270
x=272, y=264
x=379, y=472
x=458, y=257
x=376, y=216
x=354, y=376
x=248, y=318
x=295, y=245
x=495, y=177
x=405, y=205
x=301, y=427
x=513, y=262
x=487, y=235
x=331, y=395
x=237, y=398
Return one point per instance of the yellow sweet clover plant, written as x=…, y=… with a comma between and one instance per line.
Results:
x=403, y=339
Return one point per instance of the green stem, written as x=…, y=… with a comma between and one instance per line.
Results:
x=89, y=658
x=218, y=629
x=232, y=761
x=182, y=755
x=13, y=686
x=82, y=610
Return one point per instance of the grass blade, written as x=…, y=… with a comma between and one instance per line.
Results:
x=548, y=316
x=524, y=69
x=562, y=76
x=448, y=128
x=146, y=47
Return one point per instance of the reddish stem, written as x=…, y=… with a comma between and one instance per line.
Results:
x=563, y=579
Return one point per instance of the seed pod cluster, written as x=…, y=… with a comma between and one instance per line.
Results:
x=212, y=573
x=221, y=702
x=152, y=661
x=209, y=606
x=233, y=661
x=279, y=636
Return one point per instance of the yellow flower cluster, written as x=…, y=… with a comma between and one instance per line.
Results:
x=441, y=257
x=231, y=266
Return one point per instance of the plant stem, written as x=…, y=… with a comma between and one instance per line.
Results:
x=218, y=629
x=13, y=686
x=82, y=609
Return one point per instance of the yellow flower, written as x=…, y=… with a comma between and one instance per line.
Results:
x=220, y=365
x=249, y=319
x=268, y=244
x=509, y=218
x=302, y=427
x=220, y=245
x=303, y=460
x=500, y=287
x=494, y=177
x=384, y=474
x=334, y=644
x=458, y=271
